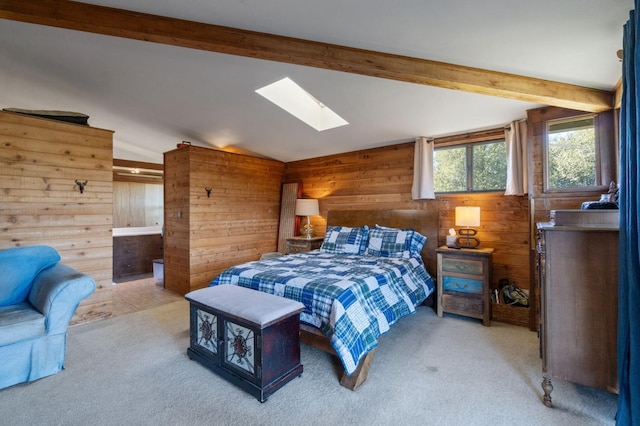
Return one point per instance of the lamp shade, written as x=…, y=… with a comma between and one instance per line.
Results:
x=307, y=207
x=467, y=216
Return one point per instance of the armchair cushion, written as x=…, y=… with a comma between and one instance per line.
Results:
x=19, y=267
x=20, y=322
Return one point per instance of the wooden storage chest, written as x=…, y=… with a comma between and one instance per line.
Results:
x=250, y=338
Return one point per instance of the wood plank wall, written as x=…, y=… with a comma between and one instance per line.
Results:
x=237, y=223
x=381, y=178
x=137, y=204
x=40, y=203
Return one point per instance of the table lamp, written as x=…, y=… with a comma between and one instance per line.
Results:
x=467, y=217
x=307, y=207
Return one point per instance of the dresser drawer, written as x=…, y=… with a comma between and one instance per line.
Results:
x=462, y=266
x=467, y=305
x=462, y=285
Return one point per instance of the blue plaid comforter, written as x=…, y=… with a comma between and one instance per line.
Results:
x=353, y=299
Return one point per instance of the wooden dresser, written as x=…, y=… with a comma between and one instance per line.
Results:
x=578, y=279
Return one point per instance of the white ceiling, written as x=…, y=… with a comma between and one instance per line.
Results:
x=154, y=96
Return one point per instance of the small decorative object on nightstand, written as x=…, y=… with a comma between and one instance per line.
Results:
x=464, y=276
x=303, y=244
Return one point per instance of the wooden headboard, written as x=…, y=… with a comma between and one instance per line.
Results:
x=424, y=221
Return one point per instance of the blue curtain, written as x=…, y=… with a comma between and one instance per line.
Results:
x=629, y=261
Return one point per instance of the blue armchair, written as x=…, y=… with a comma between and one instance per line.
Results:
x=38, y=297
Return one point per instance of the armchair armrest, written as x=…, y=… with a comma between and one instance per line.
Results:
x=56, y=293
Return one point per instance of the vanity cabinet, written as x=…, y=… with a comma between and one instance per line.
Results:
x=134, y=254
x=577, y=264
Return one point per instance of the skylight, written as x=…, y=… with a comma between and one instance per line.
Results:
x=298, y=102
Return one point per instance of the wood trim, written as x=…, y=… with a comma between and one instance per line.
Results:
x=480, y=136
x=617, y=99
x=152, y=173
x=138, y=164
x=177, y=32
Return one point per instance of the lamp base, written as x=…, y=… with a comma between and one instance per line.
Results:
x=467, y=239
x=307, y=231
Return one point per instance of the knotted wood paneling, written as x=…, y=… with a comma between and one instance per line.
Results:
x=40, y=203
x=236, y=222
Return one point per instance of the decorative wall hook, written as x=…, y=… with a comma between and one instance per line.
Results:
x=81, y=185
x=208, y=191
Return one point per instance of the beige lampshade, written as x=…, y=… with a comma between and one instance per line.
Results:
x=307, y=207
x=467, y=216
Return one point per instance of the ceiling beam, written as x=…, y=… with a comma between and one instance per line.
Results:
x=140, y=26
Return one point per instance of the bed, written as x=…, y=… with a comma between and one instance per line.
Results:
x=371, y=271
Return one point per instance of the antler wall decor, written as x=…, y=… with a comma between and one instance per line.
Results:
x=81, y=185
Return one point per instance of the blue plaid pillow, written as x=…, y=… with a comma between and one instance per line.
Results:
x=413, y=243
x=417, y=242
x=388, y=243
x=345, y=240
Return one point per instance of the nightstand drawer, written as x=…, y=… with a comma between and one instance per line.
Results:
x=296, y=248
x=462, y=266
x=465, y=305
x=462, y=285
x=301, y=244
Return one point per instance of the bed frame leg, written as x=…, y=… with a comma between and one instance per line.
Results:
x=361, y=373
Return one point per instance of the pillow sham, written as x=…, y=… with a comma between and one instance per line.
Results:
x=417, y=243
x=388, y=243
x=345, y=240
x=413, y=240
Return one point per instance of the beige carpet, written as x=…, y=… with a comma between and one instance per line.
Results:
x=133, y=370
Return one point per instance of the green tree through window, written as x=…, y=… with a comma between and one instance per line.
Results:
x=489, y=166
x=450, y=169
x=470, y=167
x=571, y=154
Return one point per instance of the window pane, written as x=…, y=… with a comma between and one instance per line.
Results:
x=450, y=170
x=571, y=153
x=489, y=166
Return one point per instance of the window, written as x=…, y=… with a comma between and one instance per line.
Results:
x=571, y=158
x=471, y=167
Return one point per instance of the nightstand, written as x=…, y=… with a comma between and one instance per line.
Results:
x=464, y=277
x=302, y=244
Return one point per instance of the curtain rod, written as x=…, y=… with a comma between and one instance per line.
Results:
x=508, y=126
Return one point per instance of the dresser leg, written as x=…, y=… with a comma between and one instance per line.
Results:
x=547, y=387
